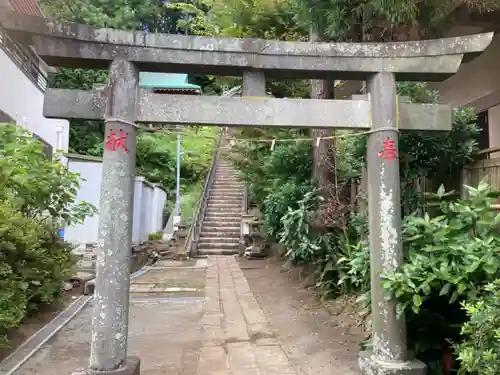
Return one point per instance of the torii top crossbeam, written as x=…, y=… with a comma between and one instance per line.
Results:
x=73, y=45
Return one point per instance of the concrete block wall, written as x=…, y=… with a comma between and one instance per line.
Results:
x=149, y=200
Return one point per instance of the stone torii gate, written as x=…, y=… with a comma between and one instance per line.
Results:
x=122, y=104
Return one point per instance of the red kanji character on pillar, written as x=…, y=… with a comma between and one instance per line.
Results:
x=113, y=142
x=390, y=152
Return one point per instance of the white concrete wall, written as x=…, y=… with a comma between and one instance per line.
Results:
x=149, y=201
x=90, y=190
x=22, y=101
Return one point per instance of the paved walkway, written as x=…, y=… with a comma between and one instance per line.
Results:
x=175, y=331
x=237, y=338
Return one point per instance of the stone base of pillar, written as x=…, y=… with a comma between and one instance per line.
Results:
x=131, y=367
x=370, y=365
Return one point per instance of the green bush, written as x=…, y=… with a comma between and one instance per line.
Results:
x=37, y=197
x=299, y=240
x=450, y=259
x=155, y=236
x=480, y=352
x=284, y=197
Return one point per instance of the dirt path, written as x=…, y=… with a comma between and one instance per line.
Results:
x=317, y=342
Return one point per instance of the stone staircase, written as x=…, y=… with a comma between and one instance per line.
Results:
x=220, y=231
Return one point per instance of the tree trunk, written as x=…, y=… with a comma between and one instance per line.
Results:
x=323, y=154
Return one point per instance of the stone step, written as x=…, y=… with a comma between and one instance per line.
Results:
x=215, y=203
x=222, y=203
x=229, y=202
x=220, y=228
x=229, y=187
x=218, y=224
x=236, y=208
x=224, y=206
x=217, y=252
x=219, y=234
x=230, y=181
x=237, y=193
x=222, y=198
x=225, y=210
x=221, y=222
x=214, y=215
x=204, y=244
x=226, y=191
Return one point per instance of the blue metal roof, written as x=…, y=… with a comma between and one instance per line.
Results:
x=166, y=81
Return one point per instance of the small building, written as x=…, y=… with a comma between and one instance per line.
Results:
x=168, y=83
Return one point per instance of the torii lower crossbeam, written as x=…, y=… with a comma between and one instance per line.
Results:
x=246, y=111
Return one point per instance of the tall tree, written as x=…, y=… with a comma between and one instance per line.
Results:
x=382, y=20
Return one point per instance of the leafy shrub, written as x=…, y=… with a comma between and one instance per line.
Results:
x=37, y=197
x=299, y=240
x=480, y=352
x=453, y=254
x=43, y=189
x=343, y=266
x=155, y=236
x=284, y=197
x=449, y=260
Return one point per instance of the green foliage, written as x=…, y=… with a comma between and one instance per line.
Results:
x=479, y=352
x=450, y=258
x=296, y=234
x=284, y=196
x=37, y=197
x=341, y=266
x=382, y=20
x=452, y=255
x=189, y=199
x=117, y=14
x=264, y=171
x=157, y=157
x=155, y=236
x=42, y=189
x=435, y=154
x=194, y=20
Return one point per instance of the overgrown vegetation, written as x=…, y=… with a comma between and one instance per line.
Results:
x=37, y=197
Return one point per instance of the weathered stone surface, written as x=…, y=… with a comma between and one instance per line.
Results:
x=369, y=364
x=212, y=110
x=111, y=298
x=73, y=45
x=237, y=336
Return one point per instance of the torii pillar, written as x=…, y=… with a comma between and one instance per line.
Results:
x=108, y=352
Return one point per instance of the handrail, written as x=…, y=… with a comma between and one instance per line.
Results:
x=25, y=59
x=199, y=213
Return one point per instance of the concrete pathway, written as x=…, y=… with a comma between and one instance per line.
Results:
x=237, y=338
x=175, y=331
x=166, y=305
